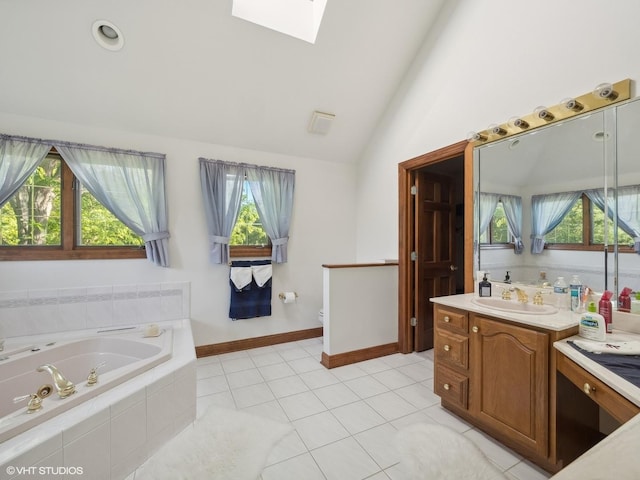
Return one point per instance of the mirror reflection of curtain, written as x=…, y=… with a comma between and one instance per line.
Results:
x=628, y=208
x=547, y=211
x=19, y=157
x=512, y=205
x=488, y=204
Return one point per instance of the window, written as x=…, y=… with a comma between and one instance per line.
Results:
x=52, y=216
x=583, y=227
x=497, y=233
x=248, y=237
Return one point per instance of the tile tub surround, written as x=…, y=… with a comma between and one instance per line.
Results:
x=32, y=312
x=345, y=418
x=110, y=435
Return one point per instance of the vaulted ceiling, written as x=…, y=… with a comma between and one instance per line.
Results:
x=191, y=70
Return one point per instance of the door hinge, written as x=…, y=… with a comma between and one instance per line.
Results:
x=414, y=190
x=414, y=321
x=414, y=256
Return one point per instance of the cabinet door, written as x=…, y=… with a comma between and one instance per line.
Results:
x=509, y=381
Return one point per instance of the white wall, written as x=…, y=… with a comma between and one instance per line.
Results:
x=493, y=60
x=322, y=231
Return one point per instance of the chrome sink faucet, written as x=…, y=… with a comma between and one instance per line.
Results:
x=63, y=386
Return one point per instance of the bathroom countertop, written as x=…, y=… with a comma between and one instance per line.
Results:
x=561, y=320
x=616, y=456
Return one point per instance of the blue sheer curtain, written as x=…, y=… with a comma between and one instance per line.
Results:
x=272, y=191
x=628, y=208
x=488, y=204
x=19, y=158
x=130, y=185
x=547, y=211
x=221, y=185
x=513, y=211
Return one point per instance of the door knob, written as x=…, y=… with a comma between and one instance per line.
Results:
x=447, y=348
x=453, y=268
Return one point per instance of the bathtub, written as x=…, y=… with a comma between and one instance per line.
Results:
x=145, y=394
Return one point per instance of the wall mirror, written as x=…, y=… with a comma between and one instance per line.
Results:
x=594, y=152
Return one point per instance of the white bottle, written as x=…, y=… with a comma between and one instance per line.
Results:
x=575, y=289
x=592, y=325
x=560, y=293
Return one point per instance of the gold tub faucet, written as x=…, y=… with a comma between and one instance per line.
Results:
x=63, y=386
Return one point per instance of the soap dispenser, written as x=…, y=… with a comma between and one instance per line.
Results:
x=484, y=287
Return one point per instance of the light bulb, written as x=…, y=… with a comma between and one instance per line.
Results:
x=543, y=114
x=476, y=137
x=572, y=104
x=496, y=129
x=605, y=90
x=518, y=122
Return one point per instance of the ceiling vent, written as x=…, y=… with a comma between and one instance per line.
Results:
x=321, y=122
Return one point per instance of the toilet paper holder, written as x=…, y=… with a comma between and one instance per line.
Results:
x=282, y=295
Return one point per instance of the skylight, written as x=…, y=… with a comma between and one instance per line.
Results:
x=297, y=18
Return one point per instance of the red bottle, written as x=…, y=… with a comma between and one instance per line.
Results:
x=604, y=309
x=624, y=300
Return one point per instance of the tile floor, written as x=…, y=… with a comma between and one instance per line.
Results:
x=345, y=418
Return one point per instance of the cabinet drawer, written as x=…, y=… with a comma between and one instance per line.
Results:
x=619, y=407
x=451, y=386
x=452, y=349
x=452, y=319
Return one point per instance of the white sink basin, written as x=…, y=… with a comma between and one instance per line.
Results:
x=514, y=306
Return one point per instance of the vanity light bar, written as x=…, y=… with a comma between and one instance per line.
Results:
x=603, y=95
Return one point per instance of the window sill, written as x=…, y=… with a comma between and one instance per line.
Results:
x=57, y=253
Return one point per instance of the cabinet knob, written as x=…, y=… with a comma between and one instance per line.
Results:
x=446, y=386
x=474, y=329
x=446, y=319
x=588, y=389
x=447, y=348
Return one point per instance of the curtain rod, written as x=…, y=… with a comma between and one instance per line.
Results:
x=83, y=146
x=246, y=165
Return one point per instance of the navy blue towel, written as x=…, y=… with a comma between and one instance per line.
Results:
x=251, y=301
x=627, y=366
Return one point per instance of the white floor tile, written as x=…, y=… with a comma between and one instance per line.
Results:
x=252, y=395
x=244, y=378
x=207, y=370
x=374, y=365
x=336, y=395
x=267, y=359
x=345, y=459
x=278, y=370
x=444, y=417
x=419, y=371
x=418, y=395
x=319, y=378
x=390, y=405
x=237, y=364
x=296, y=468
x=320, y=429
x=305, y=364
x=400, y=359
x=271, y=410
x=294, y=353
x=283, y=387
x=366, y=387
x=358, y=417
x=393, y=379
x=503, y=457
x=527, y=471
x=289, y=447
x=301, y=405
x=348, y=372
x=207, y=386
x=379, y=442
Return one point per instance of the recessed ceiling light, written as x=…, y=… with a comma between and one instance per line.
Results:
x=107, y=35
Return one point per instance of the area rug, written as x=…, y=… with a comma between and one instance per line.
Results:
x=223, y=444
x=432, y=451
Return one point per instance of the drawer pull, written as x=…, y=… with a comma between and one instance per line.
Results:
x=475, y=329
x=446, y=319
x=446, y=386
x=447, y=348
x=588, y=389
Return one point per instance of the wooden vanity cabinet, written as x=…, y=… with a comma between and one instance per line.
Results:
x=496, y=375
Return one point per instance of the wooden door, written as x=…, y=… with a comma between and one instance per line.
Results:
x=435, y=263
x=509, y=382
